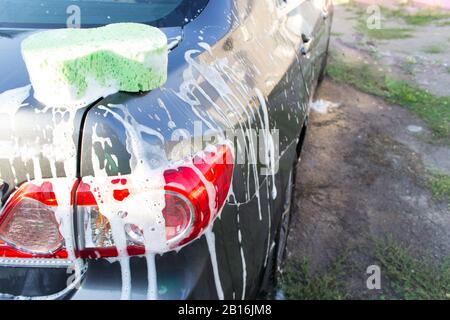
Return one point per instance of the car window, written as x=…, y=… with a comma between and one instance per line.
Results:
x=90, y=13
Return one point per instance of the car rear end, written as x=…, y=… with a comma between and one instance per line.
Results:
x=76, y=220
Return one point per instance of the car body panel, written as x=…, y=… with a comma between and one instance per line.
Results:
x=238, y=65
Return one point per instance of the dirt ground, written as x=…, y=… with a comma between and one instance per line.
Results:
x=364, y=171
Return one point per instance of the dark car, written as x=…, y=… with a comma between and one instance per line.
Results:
x=183, y=192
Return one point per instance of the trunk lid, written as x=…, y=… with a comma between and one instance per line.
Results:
x=35, y=141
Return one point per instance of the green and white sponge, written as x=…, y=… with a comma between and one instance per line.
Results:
x=74, y=67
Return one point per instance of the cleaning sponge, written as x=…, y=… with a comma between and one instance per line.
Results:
x=75, y=67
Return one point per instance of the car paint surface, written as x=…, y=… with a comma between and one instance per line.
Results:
x=237, y=66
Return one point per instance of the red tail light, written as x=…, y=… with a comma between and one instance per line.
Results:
x=28, y=224
x=194, y=194
x=188, y=208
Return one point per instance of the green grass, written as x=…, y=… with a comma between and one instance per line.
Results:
x=382, y=33
x=418, y=18
x=433, y=49
x=358, y=75
x=444, y=23
x=409, y=65
x=299, y=283
x=440, y=185
x=406, y=277
x=434, y=110
x=403, y=276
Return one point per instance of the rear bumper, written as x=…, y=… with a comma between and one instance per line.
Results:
x=184, y=275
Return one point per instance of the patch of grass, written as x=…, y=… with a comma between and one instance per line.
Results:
x=418, y=18
x=434, y=110
x=408, y=68
x=299, y=283
x=337, y=34
x=407, y=277
x=409, y=65
x=444, y=23
x=433, y=49
x=358, y=75
x=403, y=276
x=382, y=33
x=440, y=185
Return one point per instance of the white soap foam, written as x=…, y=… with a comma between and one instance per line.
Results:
x=414, y=129
x=143, y=206
x=211, y=241
x=152, y=293
x=12, y=100
x=244, y=267
x=324, y=106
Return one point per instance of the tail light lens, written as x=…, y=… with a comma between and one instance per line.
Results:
x=188, y=208
x=194, y=193
x=28, y=224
